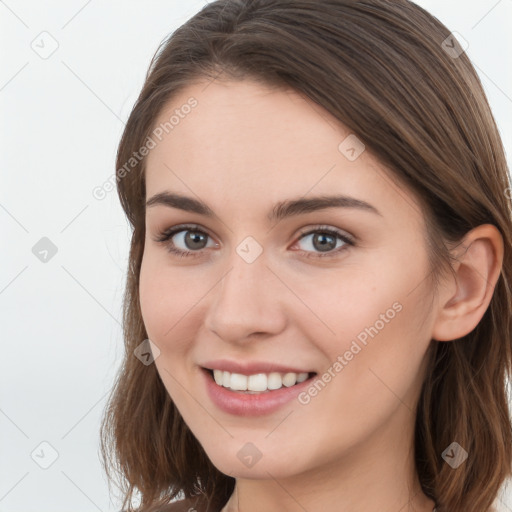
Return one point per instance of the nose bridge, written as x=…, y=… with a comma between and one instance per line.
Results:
x=245, y=301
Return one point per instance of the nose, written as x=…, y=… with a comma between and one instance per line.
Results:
x=247, y=302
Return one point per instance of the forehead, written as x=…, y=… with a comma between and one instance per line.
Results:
x=248, y=122
x=255, y=141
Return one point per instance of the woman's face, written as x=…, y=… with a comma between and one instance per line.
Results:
x=264, y=283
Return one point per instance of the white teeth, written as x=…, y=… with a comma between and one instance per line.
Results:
x=274, y=380
x=301, y=377
x=259, y=382
x=218, y=375
x=238, y=382
x=289, y=379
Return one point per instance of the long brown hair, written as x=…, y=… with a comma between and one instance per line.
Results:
x=396, y=77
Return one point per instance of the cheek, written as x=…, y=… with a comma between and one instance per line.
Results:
x=157, y=299
x=344, y=303
x=168, y=301
x=383, y=354
x=375, y=314
x=148, y=297
x=164, y=312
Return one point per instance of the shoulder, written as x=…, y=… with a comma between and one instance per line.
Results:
x=189, y=505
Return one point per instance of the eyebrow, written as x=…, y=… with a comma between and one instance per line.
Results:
x=280, y=210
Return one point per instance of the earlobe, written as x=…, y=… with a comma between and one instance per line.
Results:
x=463, y=303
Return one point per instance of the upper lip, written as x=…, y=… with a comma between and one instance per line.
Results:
x=251, y=367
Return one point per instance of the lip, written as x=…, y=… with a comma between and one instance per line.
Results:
x=243, y=404
x=251, y=367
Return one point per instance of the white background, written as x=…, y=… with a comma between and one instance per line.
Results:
x=62, y=118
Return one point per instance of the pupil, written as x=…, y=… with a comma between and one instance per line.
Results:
x=322, y=242
x=323, y=245
x=191, y=240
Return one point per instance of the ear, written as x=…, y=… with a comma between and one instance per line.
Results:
x=463, y=301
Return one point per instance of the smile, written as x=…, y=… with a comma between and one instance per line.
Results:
x=254, y=402
x=259, y=382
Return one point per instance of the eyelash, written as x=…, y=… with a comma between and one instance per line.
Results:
x=166, y=235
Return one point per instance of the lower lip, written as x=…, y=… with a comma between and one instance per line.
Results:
x=245, y=404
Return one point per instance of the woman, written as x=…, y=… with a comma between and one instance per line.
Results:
x=318, y=306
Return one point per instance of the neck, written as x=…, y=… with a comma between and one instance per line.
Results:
x=278, y=495
x=380, y=475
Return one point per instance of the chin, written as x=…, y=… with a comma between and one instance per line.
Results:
x=244, y=460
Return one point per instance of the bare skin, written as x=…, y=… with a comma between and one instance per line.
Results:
x=242, y=149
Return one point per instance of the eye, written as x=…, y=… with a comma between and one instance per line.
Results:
x=184, y=240
x=325, y=240
x=189, y=241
